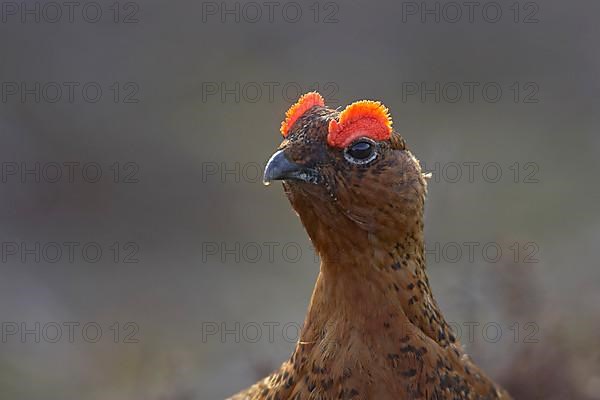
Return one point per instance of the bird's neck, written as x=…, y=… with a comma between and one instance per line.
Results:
x=372, y=294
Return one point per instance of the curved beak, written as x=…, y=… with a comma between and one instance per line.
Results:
x=279, y=168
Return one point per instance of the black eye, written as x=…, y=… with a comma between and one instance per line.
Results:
x=361, y=152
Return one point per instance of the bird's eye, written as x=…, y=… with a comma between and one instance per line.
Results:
x=361, y=151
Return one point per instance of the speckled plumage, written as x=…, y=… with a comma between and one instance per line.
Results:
x=373, y=328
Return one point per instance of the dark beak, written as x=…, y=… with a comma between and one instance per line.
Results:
x=279, y=168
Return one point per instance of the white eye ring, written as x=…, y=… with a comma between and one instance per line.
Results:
x=361, y=161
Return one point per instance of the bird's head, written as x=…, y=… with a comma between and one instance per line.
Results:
x=347, y=174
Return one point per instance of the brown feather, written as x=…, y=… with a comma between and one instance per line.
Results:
x=373, y=328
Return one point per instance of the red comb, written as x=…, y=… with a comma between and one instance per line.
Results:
x=304, y=103
x=362, y=118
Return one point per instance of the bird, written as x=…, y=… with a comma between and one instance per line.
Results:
x=373, y=328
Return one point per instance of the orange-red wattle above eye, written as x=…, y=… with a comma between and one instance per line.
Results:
x=364, y=118
x=304, y=103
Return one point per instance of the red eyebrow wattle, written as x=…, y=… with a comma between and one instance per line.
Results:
x=304, y=103
x=362, y=118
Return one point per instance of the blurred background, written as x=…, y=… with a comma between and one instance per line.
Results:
x=142, y=258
